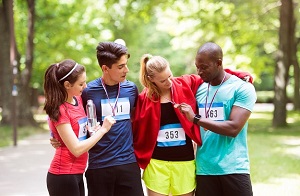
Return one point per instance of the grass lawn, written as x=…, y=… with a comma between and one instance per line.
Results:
x=274, y=155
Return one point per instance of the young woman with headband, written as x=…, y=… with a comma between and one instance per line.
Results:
x=63, y=86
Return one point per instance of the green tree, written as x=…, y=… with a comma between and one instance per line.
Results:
x=246, y=30
x=248, y=33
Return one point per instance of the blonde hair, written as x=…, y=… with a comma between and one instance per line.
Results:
x=150, y=65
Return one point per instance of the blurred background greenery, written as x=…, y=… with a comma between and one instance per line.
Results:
x=258, y=36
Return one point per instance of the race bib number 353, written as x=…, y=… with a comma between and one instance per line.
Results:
x=171, y=135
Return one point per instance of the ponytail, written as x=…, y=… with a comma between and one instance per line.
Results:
x=149, y=65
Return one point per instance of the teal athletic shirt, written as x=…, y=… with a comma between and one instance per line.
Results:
x=219, y=154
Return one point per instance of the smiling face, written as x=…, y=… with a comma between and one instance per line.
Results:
x=77, y=87
x=117, y=73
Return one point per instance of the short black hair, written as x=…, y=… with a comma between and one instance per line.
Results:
x=109, y=53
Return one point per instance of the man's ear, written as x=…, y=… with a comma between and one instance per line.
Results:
x=104, y=68
x=219, y=62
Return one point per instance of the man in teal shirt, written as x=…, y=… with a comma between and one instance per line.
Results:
x=225, y=103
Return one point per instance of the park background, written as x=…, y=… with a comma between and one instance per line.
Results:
x=258, y=36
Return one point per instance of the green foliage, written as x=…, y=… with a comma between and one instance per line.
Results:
x=264, y=83
x=63, y=29
x=265, y=96
x=268, y=96
x=72, y=29
x=246, y=30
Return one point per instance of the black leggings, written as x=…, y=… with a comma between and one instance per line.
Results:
x=65, y=184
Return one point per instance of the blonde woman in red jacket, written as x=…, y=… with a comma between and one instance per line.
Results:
x=163, y=138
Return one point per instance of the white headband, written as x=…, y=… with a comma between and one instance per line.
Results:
x=69, y=72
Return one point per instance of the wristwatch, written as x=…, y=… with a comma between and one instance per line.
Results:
x=196, y=119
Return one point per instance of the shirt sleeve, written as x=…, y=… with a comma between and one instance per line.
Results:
x=63, y=116
x=246, y=96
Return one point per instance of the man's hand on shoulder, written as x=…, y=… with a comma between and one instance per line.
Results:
x=55, y=143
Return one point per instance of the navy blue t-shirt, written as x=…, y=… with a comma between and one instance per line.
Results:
x=116, y=146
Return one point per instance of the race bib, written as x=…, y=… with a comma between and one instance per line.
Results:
x=216, y=111
x=82, y=134
x=171, y=135
x=122, y=109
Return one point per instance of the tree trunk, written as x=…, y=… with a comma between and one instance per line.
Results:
x=296, y=100
x=24, y=101
x=286, y=41
x=20, y=104
x=5, y=65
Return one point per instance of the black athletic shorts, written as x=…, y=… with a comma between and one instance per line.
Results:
x=122, y=180
x=224, y=185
